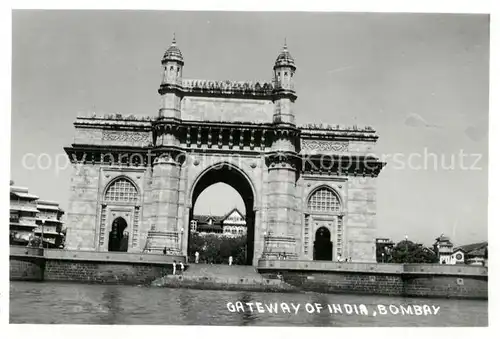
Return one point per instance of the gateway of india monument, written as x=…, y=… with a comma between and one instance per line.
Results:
x=309, y=191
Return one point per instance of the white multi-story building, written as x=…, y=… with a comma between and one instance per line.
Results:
x=50, y=223
x=23, y=215
x=30, y=216
x=444, y=249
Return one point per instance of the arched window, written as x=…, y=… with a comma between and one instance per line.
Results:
x=324, y=200
x=121, y=190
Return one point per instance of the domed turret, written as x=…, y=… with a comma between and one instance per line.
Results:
x=284, y=59
x=173, y=53
x=284, y=70
x=171, y=83
x=284, y=91
x=172, y=63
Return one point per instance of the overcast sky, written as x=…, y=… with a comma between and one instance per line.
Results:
x=420, y=80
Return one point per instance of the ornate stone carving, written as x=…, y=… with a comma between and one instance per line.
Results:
x=227, y=87
x=338, y=127
x=125, y=136
x=324, y=145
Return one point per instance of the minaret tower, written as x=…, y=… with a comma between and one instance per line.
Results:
x=166, y=166
x=284, y=91
x=171, y=83
x=284, y=228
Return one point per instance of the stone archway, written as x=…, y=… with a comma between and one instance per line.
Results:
x=118, y=237
x=323, y=247
x=233, y=176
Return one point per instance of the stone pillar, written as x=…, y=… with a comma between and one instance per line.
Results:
x=165, y=191
x=361, y=219
x=281, y=209
x=82, y=215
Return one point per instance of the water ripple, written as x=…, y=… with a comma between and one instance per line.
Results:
x=66, y=303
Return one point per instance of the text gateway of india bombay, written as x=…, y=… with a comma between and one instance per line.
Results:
x=309, y=191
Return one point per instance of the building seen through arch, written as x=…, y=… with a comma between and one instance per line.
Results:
x=231, y=224
x=309, y=191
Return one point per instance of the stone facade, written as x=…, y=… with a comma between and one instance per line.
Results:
x=294, y=180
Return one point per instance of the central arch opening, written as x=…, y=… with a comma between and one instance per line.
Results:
x=226, y=222
x=323, y=245
x=118, y=238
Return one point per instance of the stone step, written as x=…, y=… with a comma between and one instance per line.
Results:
x=207, y=270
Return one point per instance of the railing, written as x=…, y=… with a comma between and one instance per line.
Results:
x=25, y=221
x=20, y=202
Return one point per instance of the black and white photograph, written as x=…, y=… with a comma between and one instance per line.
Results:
x=248, y=168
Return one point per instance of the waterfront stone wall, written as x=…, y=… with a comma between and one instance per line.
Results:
x=411, y=280
x=345, y=282
x=88, y=266
x=104, y=272
x=26, y=263
x=108, y=267
x=449, y=286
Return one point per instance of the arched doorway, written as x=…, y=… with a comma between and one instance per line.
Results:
x=232, y=176
x=322, y=245
x=118, y=238
x=325, y=215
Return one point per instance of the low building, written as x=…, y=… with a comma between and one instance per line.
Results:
x=458, y=257
x=50, y=223
x=232, y=224
x=443, y=247
x=474, y=254
x=206, y=224
x=23, y=215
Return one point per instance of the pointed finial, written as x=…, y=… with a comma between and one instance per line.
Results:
x=173, y=40
x=285, y=46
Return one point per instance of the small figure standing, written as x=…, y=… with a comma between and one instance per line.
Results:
x=230, y=260
x=182, y=267
x=350, y=259
x=338, y=258
x=174, y=266
x=164, y=250
x=196, y=257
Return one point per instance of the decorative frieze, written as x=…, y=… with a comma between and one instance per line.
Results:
x=126, y=136
x=306, y=233
x=340, y=233
x=324, y=145
x=135, y=230
x=102, y=229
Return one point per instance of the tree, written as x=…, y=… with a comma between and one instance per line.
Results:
x=409, y=252
x=217, y=249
